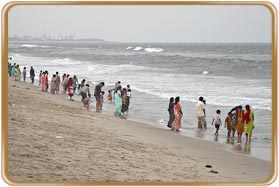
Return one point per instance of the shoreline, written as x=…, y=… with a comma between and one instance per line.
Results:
x=260, y=149
x=52, y=139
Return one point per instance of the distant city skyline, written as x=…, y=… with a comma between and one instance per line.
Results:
x=126, y=23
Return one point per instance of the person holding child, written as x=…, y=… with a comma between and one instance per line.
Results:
x=97, y=93
x=83, y=92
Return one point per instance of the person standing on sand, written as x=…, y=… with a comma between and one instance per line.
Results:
x=171, y=112
x=83, y=92
x=129, y=95
x=75, y=82
x=97, y=93
x=217, y=121
x=57, y=82
x=176, y=124
x=124, y=101
x=10, y=69
x=70, y=88
x=32, y=74
x=13, y=70
x=200, y=111
x=24, y=74
x=53, y=84
x=64, y=83
x=17, y=73
x=40, y=77
x=117, y=101
x=234, y=119
x=228, y=124
x=240, y=122
x=43, y=81
x=248, y=118
x=46, y=77
x=205, y=122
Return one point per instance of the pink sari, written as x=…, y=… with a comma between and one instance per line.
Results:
x=176, y=124
x=43, y=82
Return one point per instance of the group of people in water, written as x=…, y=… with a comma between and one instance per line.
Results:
x=71, y=86
x=237, y=120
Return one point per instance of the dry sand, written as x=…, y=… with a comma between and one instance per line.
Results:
x=51, y=139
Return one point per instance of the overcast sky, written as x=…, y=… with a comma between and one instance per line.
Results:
x=180, y=23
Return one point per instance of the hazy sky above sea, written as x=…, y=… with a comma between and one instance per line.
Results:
x=180, y=23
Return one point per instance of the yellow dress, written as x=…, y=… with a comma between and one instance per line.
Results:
x=240, y=124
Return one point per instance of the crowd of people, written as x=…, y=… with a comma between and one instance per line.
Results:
x=71, y=86
x=237, y=120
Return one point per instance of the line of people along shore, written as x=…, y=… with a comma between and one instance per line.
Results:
x=71, y=86
x=237, y=120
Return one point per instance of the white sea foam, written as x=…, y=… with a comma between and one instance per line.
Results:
x=153, y=49
x=206, y=72
x=65, y=61
x=129, y=47
x=161, y=83
x=33, y=46
x=138, y=48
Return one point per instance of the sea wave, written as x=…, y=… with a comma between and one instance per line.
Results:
x=147, y=49
x=138, y=48
x=153, y=49
x=65, y=61
x=34, y=46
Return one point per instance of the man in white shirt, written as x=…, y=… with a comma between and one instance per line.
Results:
x=200, y=111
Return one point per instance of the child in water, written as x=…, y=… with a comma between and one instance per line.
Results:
x=101, y=99
x=228, y=124
x=217, y=121
x=86, y=101
x=109, y=97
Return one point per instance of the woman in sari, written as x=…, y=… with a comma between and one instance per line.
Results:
x=17, y=73
x=171, y=112
x=70, y=88
x=248, y=118
x=117, y=101
x=43, y=82
x=176, y=124
x=53, y=84
x=240, y=123
x=124, y=101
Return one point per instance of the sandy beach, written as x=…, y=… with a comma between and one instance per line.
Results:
x=54, y=140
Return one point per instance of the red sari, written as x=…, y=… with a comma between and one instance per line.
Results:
x=176, y=124
x=70, y=89
x=44, y=80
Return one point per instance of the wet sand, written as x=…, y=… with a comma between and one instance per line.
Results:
x=54, y=140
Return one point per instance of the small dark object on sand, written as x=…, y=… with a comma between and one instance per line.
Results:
x=208, y=166
x=212, y=171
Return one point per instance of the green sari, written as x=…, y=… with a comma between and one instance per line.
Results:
x=118, y=103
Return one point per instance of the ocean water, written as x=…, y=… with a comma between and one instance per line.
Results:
x=225, y=74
